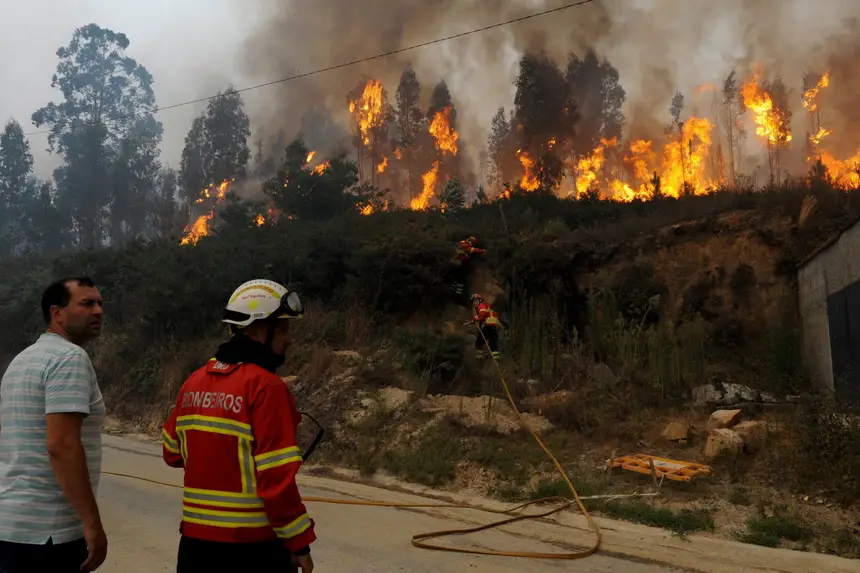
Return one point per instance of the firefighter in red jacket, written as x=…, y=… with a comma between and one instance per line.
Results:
x=489, y=324
x=464, y=252
x=233, y=430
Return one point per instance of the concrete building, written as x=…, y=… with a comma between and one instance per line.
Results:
x=829, y=301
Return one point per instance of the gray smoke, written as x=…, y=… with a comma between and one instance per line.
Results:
x=658, y=46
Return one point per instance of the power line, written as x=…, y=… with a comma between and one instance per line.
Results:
x=335, y=67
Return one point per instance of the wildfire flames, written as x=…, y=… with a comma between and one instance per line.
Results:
x=368, y=109
x=446, y=138
x=770, y=123
x=422, y=201
x=529, y=181
x=688, y=159
x=200, y=227
x=810, y=95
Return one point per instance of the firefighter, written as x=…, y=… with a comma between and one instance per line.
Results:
x=233, y=430
x=489, y=323
x=463, y=254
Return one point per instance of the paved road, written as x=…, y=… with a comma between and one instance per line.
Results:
x=142, y=518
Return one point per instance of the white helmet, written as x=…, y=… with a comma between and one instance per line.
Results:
x=261, y=299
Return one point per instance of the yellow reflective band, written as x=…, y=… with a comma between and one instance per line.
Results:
x=183, y=443
x=222, y=498
x=216, y=518
x=216, y=425
x=246, y=467
x=278, y=458
x=169, y=443
x=296, y=527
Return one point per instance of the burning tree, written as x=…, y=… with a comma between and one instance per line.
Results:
x=368, y=104
x=545, y=116
x=320, y=192
x=594, y=86
x=812, y=86
x=769, y=104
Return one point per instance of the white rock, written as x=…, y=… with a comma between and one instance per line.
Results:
x=727, y=394
x=724, y=419
x=723, y=441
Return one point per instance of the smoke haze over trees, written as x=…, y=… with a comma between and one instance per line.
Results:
x=575, y=103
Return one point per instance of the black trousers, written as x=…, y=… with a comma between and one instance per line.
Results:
x=491, y=333
x=200, y=556
x=49, y=557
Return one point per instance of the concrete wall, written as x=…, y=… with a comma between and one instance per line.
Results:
x=833, y=268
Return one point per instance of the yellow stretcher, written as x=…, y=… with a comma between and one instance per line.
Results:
x=660, y=468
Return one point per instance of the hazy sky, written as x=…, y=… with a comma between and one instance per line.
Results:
x=190, y=47
x=194, y=48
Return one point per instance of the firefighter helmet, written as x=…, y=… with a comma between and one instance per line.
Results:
x=261, y=299
x=471, y=240
x=476, y=298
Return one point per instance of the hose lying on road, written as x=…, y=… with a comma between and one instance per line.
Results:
x=417, y=540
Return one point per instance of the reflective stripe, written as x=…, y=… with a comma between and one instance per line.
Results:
x=222, y=498
x=213, y=424
x=246, y=467
x=296, y=527
x=278, y=458
x=169, y=443
x=224, y=518
x=183, y=443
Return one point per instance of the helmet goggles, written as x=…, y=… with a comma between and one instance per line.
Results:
x=290, y=307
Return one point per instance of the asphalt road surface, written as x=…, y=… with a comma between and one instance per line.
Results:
x=142, y=518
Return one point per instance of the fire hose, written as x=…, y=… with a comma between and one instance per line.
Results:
x=418, y=539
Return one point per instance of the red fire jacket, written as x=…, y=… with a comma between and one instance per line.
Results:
x=234, y=431
x=464, y=251
x=486, y=316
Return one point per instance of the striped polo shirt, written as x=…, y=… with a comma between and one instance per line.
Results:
x=51, y=376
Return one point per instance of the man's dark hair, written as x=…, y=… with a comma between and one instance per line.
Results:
x=57, y=294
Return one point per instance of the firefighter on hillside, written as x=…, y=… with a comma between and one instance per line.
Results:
x=464, y=252
x=489, y=323
x=233, y=430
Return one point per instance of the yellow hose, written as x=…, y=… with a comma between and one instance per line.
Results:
x=564, y=503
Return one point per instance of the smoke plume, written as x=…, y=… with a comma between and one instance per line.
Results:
x=658, y=47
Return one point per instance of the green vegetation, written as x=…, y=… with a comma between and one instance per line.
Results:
x=771, y=530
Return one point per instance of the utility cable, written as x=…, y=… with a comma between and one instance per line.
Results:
x=330, y=68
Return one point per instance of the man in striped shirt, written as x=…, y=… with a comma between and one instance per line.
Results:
x=51, y=416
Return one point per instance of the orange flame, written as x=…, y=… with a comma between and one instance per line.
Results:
x=843, y=174
x=368, y=109
x=260, y=220
x=588, y=167
x=200, y=227
x=446, y=137
x=320, y=169
x=817, y=137
x=684, y=161
x=529, y=181
x=310, y=156
x=810, y=95
x=769, y=123
x=420, y=203
x=382, y=165
x=365, y=209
